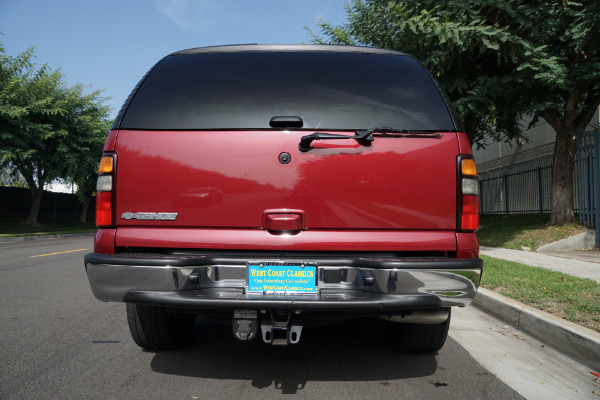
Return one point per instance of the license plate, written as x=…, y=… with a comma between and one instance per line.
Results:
x=276, y=277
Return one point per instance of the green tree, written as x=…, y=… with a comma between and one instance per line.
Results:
x=43, y=123
x=498, y=62
x=89, y=126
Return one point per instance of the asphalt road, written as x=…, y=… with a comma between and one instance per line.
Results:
x=58, y=342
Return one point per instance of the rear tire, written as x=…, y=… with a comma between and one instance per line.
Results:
x=154, y=329
x=417, y=338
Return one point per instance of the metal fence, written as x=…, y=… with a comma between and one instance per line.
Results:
x=15, y=202
x=588, y=180
x=524, y=188
x=521, y=188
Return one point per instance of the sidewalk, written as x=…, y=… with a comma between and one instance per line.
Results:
x=582, y=264
x=592, y=255
x=577, y=342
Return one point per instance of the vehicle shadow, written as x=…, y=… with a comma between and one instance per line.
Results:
x=352, y=350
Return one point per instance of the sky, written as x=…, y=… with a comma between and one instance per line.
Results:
x=111, y=44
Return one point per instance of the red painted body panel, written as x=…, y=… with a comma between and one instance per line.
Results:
x=467, y=245
x=104, y=241
x=111, y=141
x=317, y=240
x=464, y=145
x=227, y=179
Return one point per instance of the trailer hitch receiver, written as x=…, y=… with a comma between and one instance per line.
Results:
x=280, y=328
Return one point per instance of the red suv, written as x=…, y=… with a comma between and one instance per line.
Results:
x=272, y=185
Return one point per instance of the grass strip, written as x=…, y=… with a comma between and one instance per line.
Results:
x=565, y=296
x=15, y=226
x=523, y=230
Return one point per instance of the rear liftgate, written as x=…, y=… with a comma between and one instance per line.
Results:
x=278, y=328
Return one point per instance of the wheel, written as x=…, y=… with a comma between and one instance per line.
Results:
x=417, y=338
x=154, y=329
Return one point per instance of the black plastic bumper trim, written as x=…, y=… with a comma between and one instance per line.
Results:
x=356, y=302
x=343, y=260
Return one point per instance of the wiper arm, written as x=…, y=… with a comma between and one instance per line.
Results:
x=362, y=137
x=365, y=137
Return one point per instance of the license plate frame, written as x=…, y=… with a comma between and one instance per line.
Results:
x=282, y=277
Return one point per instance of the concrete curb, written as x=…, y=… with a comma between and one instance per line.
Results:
x=574, y=341
x=585, y=240
x=13, y=239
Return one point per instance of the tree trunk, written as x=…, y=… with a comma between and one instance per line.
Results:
x=470, y=127
x=84, y=209
x=34, y=210
x=562, y=196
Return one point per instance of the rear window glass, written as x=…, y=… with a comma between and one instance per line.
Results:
x=327, y=90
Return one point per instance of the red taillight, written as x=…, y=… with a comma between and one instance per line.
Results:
x=104, y=191
x=468, y=197
x=470, y=213
x=103, y=209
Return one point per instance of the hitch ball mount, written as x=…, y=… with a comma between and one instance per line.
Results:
x=278, y=328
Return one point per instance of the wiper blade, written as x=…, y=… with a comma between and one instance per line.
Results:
x=384, y=131
x=365, y=137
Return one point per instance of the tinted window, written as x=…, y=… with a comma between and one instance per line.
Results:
x=327, y=90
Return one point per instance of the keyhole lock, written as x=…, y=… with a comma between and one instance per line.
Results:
x=285, y=158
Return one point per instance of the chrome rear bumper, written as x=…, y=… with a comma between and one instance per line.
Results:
x=205, y=282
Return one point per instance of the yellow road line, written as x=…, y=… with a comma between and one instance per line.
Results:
x=60, y=252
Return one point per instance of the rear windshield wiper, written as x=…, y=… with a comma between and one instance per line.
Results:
x=365, y=137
